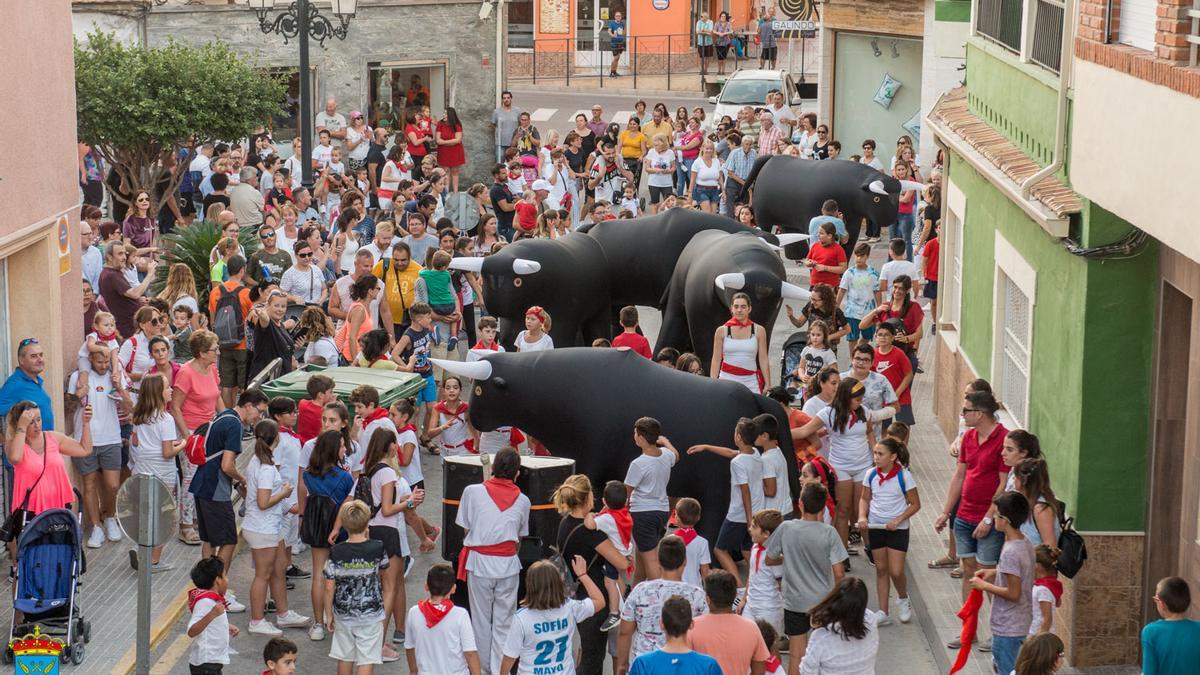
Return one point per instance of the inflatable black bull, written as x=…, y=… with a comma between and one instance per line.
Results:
x=713, y=267
x=788, y=192
x=567, y=277
x=582, y=403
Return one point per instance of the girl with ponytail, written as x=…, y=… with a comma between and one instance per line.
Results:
x=889, y=500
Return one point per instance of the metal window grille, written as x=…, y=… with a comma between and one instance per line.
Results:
x=952, y=230
x=1046, y=47
x=1000, y=20
x=1015, y=341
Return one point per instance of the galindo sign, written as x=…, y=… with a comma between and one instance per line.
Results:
x=798, y=19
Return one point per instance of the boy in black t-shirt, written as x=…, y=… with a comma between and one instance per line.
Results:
x=412, y=352
x=354, y=591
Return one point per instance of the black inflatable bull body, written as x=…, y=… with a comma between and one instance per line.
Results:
x=713, y=267
x=567, y=277
x=582, y=403
x=789, y=191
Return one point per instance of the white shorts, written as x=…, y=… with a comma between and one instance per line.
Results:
x=773, y=616
x=260, y=540
x=291, y=529
x=360, y=645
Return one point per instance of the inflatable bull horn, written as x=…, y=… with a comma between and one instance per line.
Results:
x=794, y=292
x=737, y=281
x=731, y=280
x=912, y=185
x=475, y=370
x=877, y=187
x=789, y=238
x=519, y=265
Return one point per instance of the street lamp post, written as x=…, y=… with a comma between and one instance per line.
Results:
x=303, y=20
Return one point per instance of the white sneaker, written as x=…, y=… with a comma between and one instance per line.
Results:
x=291, y=619
x=112, y=529
x=905, y=606
x=232, y=604
x=882, y=619
x=96, y=540
x=316, y=632
x=264, y=627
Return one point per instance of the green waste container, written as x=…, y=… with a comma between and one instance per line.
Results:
x=393, y=385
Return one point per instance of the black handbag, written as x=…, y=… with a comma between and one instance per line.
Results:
x=11, y=525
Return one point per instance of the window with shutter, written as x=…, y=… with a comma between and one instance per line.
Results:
x=1137, y=25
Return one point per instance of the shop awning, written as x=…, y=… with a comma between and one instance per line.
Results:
x=1004, y=164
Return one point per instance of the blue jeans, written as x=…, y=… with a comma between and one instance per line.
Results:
x=1004, y=652
x=683, y=175
x=903, y=229
x=986, y=551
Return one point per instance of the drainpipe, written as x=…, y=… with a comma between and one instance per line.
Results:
x=500, y=49
x=1065, y=69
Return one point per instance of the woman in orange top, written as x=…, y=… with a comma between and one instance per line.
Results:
x=358, y=318
x=796, y=419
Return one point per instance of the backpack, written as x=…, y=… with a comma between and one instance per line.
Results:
x=228, y=321
x=1073, y=550
x=362, y=489
x=899, y=476
x=556, y=558
x=194, y=445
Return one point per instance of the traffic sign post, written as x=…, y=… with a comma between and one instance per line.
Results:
x=146, y=513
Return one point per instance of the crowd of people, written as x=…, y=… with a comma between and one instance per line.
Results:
x=356, y=271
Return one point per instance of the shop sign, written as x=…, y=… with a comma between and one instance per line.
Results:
x=661, y=4
x=798, y=19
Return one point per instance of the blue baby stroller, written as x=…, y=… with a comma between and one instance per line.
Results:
x=49, y=563
x=789, y=360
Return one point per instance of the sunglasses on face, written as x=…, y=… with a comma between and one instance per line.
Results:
x=307, y=254
x=267, y=235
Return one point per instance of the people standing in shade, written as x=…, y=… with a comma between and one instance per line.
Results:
x=1171, y=644
x=704, y=41
x=740, y=348
x=722, y=31
x=616, y=32
x=494, y=516
x=450, y=153
x=767, y=41
x=504, y=123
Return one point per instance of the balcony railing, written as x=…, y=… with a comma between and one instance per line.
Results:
x=1000, y=20
x=1046, y=47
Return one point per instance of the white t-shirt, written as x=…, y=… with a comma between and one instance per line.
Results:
x=412, y=472
x=763, y=592
x=782, y=114
x=486, y=524
x=304, y=284
x=106, y=424
x=363, y=138
x=322, y=154
x=381, y=478
x=294, y=167
x=136, y=348
x=541, y=638
x=147, y=456
x=266, y=477
x=360, y=454
x=649, y=475
x=659, y=160
x=697, y=555
x=887, y=502
x=848, y=450
x=894, y=268
x=440, y=649
x=212, y=644
x=544, y=343
x=325, y=348
x=744, y=470
x=774, y=465
x=287, y=460
x=606, y=524
x=1042, y=594
x=334, y=122
x=707, y=176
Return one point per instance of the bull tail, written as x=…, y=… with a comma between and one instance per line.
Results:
x=758, y=165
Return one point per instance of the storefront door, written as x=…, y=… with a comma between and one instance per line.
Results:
x=593, y=44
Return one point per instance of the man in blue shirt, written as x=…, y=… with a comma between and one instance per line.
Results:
x=218, y=477
x=26, y=383
x=1172, y=644
x=830, y=213
x=675, y=657
x=616, y=30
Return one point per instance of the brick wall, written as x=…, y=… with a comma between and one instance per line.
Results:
x=1166, y=65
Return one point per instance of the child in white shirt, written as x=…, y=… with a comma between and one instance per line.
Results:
x=764, y=591
x=630, y=201
x=438, y=637
x=745, y=493
x=336, y=167
x=777, y=491
x=209, y=625
x=102, y=339
x=695, y=568
x=323, y=153
x=898, y=265
x=646, y=481
x=614, y=520
x=888, y=501
x=816, y=354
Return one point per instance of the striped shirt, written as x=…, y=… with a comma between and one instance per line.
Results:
x=740, y=162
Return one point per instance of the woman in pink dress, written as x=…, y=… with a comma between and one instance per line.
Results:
x=450, y=153
x=40, y=480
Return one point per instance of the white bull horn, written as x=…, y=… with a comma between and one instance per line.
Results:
x=790, y=238
x=466, y=264
x=734, y=280
x=524, y=266
x=911, y=185
x=876, y=186
x=475, y=370
x=793, y=292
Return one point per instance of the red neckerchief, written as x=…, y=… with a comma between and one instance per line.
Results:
x=624, y=523
x=440, y=406
x=289, y=432
x=502, y=491
x=376, y=414
x=435, y=613
x=197, y=594
x=883, y=477
x=107, y=338
x=773, y=664
x=407, y=427
x=495, y=346
x=970, y=622
x=687, y=534
x=757, y=555
x=1055, y=587
x=734, y=323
